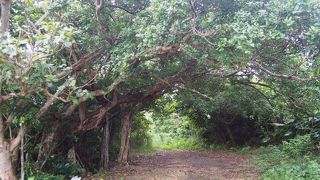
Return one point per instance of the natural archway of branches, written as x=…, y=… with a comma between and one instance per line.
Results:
x=78, y=78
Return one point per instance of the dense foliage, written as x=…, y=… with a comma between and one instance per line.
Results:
x=78, y=76
x=290, y=160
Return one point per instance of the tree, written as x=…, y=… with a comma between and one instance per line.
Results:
x=84, y=62
x=170, y=43
x=27, y=64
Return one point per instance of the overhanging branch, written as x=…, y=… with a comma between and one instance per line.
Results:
x=100, y=5
x=284, y=76
x=194, y=91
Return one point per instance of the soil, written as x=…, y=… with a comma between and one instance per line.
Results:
x=187, y=165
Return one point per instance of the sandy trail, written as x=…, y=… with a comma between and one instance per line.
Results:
x=187, y=165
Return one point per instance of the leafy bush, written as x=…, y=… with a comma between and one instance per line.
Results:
x=289, y=171
x=298, y=146
x=57, y=167
x=294, y=156
x=268, y=157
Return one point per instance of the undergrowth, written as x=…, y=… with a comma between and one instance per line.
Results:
x=292, y=160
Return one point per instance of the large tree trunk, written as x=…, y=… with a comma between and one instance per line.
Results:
x=126, y=121
x=104, y=154
x=5, y=12
x=6, y=168
x=7, y=147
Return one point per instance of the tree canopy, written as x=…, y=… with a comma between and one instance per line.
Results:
x=75, y=66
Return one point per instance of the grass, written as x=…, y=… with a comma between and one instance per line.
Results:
x=184, y=144
x=190, y=144
x=144, y=150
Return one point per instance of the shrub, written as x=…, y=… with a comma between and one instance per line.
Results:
x=289, y=171
x=298, y=146
x=46, y=176
x=268, y=157
x=294, y=156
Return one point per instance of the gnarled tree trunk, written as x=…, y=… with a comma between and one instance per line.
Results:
x=7, y=147
x=126, y=123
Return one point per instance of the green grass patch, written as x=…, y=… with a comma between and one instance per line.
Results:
x=144, y=150
x=190, y=144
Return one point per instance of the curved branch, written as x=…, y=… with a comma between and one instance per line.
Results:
x=9, y=96
x=284, y=76
x=216, y=74
x=16, y=141
x=290, y=99
x=258, y=90
x=195, y=91
x=83, y=99
x=122, y=8
x=100, y=5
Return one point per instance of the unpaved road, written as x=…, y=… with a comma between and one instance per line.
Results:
x=186, y=165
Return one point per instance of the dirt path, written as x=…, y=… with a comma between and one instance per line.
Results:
x=186, y=165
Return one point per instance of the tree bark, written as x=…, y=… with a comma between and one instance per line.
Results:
x=6, y=150
x=104, y=154
x=6, y=168
x=126, y=121
x=7, y=147
x=5, y=13
x=22, y=158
